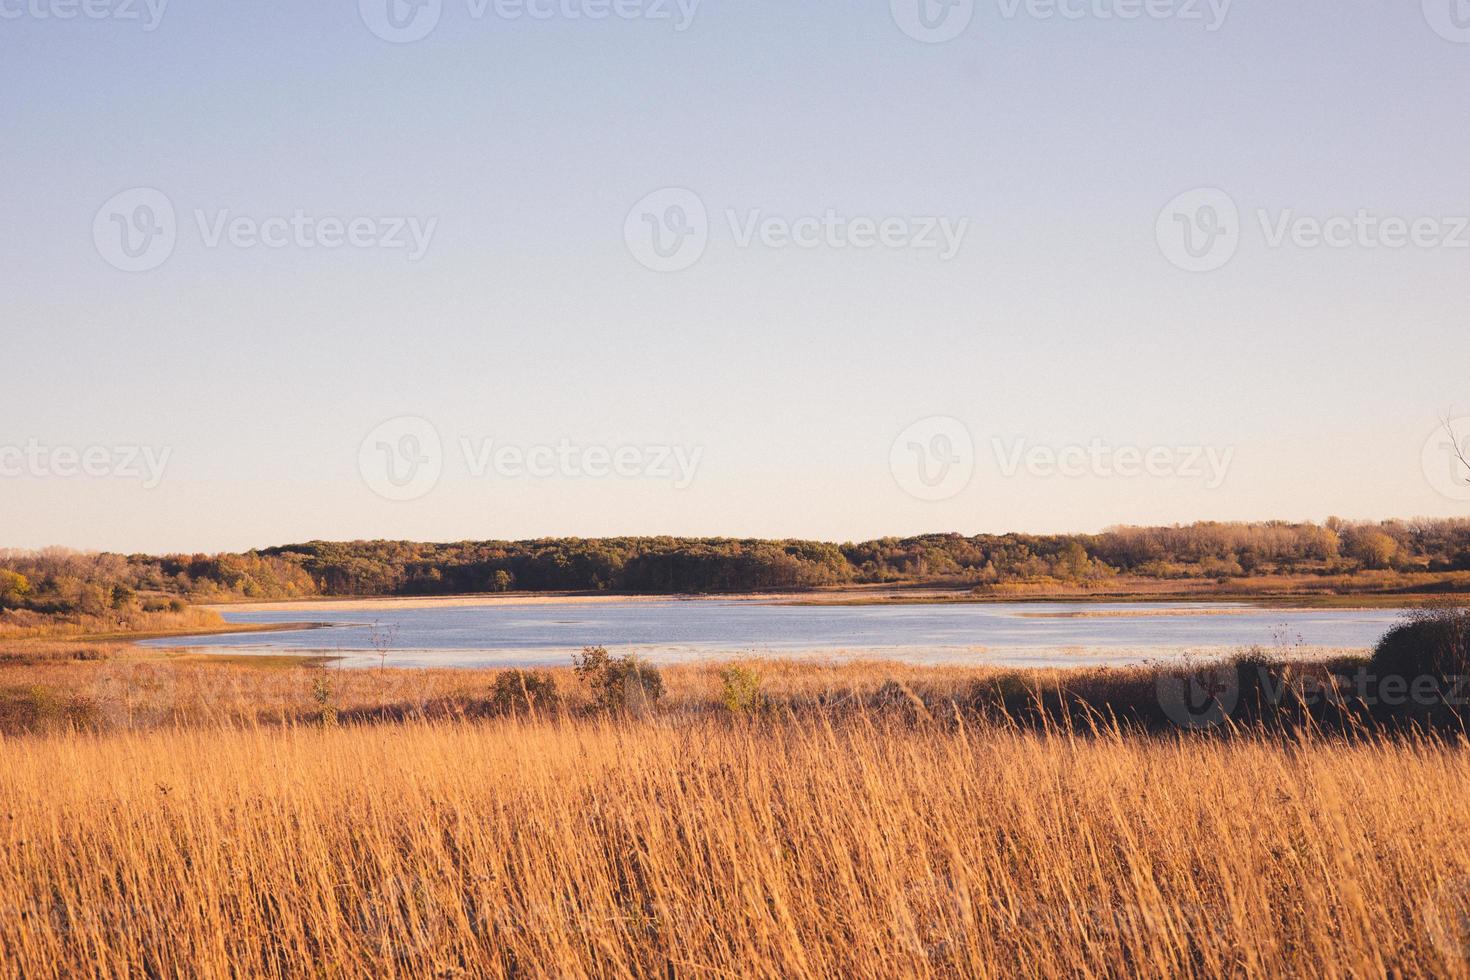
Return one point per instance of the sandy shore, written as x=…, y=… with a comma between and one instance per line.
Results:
x=488, y=599
x=124, y=636
x=1155, y=613
x=853, y=596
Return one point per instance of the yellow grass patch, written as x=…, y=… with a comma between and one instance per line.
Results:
x=702, y=847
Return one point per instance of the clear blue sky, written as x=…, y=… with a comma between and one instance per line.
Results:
x=529, y=320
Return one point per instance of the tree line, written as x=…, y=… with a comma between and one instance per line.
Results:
x=59, y=582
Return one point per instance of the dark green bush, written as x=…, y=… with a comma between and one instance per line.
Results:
x=1431, y=642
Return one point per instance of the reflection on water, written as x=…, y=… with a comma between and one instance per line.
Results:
x=1016, y=633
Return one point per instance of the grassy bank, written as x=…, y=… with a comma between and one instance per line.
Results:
x=109, y=688
x=126, y=624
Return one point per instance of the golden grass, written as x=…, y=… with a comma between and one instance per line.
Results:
x=177, y=815
x=698, y=846
x=113, y=687
x=115, y=625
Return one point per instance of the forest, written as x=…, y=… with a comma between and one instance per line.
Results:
x=56, y=582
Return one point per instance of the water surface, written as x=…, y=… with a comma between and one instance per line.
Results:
x=1015, y=633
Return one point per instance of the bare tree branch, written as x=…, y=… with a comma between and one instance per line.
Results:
x=1455, y=444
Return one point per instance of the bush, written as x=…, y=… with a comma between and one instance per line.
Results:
x=1429, y=643
x=523, y=690
x=618, y=683
x=740, y=691
x=326, y=710
x=897, y=697
x=40, y=709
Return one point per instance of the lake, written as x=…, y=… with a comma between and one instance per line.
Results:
x=1022, y=634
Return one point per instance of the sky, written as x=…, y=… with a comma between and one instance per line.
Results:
x=457, y=269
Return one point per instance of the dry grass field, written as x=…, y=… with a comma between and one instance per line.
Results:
x=183, y=817
x=692, y=845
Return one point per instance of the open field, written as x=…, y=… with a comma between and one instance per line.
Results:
x=132, y=624
x=690, y=845
x=116, y=687
x=113, y=688
x=178, y=814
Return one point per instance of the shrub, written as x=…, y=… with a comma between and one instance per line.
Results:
x=618, y=683
x=1429, y=643
x=897, y=697
x=740, y=691
x=326, y=711
x=1420, y=666
x=40, y=709
x=523, y=690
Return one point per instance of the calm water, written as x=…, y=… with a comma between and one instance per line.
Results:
x=1020, y=633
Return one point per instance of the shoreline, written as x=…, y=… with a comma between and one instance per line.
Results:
x=856, y=596
x=223, y=629
x=356, y=603
x=1063, y=657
